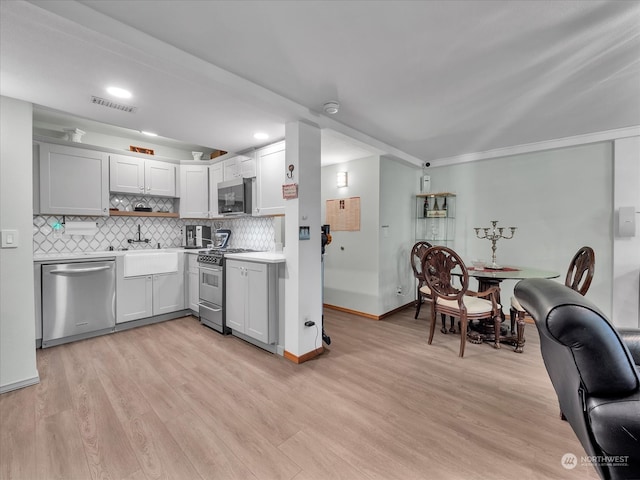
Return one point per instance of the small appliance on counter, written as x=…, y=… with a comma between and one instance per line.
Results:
x=197, y=236
x=221, y=238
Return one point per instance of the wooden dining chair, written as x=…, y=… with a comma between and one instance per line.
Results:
x=579, y=277
x=581, y=269
x=416, y=265
x=423, y=291
x=440, y=266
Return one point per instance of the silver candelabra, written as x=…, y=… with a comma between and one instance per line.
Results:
x=494, y=236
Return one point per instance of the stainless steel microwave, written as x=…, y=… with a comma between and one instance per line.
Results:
x=235, y=197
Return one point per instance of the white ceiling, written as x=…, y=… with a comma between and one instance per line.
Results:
x=418, y=80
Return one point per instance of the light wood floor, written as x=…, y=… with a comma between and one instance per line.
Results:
x=179, y=401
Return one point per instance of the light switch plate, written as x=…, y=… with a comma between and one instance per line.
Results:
x=9, y=238
x=304, y=233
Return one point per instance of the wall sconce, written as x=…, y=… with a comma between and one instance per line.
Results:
x=342, y=179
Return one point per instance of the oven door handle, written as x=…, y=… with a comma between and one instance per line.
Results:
x=211, y=307
x=211, y=269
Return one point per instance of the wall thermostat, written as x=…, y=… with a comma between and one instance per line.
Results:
x=627, y=221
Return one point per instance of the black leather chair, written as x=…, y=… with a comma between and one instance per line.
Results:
x=594, y=370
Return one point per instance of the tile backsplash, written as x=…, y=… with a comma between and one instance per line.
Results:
x=128, y=202
x=246, y=232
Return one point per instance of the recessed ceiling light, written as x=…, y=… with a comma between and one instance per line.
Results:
x=119, y=92
x=150, y=134
x=260, y=136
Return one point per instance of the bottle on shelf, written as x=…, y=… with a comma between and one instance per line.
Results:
x=425, y=207
x=444, y=205
x=435, y=204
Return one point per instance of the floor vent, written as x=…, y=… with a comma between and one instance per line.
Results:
x=108, y=103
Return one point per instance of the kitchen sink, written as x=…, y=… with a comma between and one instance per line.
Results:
x=138, y=263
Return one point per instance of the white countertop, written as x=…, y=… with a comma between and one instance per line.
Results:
x=43, y=257
x=262, y=257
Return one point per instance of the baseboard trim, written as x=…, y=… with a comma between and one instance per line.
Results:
x=396, y=310
x=303, y=358
x=368, y=315
x=163, y=317
x=21, y=384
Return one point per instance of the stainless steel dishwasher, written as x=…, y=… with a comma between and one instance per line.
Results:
x=78, y=300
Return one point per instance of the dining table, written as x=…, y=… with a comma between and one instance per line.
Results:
x=489, y=277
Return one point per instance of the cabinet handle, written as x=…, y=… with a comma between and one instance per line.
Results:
x=148, y=188
x=79, y=270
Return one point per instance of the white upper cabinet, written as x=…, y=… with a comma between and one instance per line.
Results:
x=160, y=178
x=141, y=176
x=216, y=175
x=230, y=168
x=126, y=174
x=247, y=166
x=240, y=166
x=270, y=176
x=194, y=191
x=73, y=181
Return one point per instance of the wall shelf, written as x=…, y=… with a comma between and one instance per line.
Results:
x=118, y=213
x=430, y=195
x=435, y=223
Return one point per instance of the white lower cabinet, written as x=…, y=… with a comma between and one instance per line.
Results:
x=134, y=300
x=168, y=292
x=192, y=284
x=148, y=295
x=251, y=301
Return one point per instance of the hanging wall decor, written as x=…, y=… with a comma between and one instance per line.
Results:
x=344, y=214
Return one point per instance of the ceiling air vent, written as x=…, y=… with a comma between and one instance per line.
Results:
x=108, y=103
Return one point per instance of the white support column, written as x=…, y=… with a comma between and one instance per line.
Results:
x=17, y=316
x=626, y=250
x=303, y=285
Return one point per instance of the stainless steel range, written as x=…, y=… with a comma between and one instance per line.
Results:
x=212, y=288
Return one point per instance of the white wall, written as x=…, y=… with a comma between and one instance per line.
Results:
x=559, y=199
x=351, y=267
x=17, y=317
x=626, y=250
x=398, y=187
x=363, y=269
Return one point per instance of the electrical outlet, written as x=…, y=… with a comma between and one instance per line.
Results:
x=399, y=290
